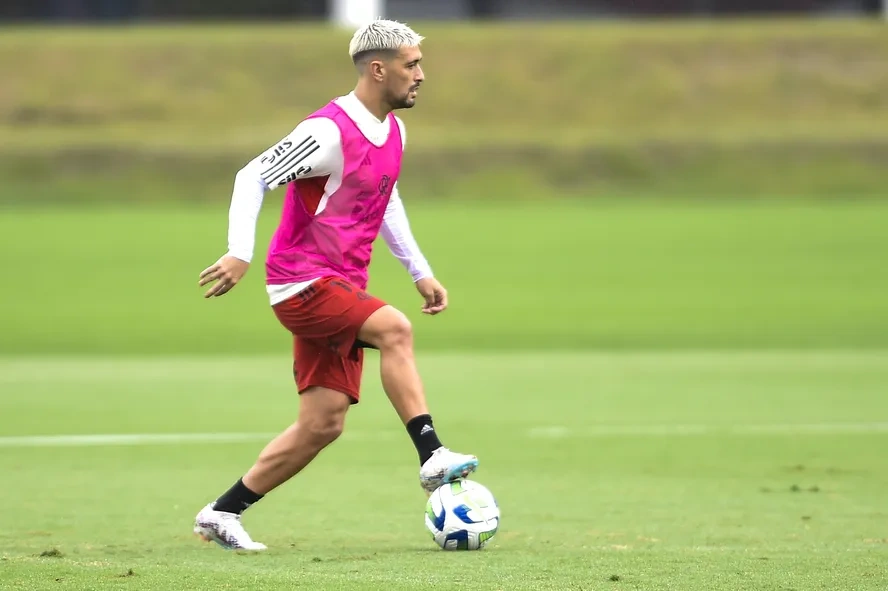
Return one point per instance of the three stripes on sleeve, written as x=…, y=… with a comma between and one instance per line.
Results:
x=284, y=162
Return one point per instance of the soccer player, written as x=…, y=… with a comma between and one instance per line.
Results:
x=340, y=166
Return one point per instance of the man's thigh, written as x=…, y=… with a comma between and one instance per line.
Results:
x=315, y=365
x=325, y=319
x=331, y=311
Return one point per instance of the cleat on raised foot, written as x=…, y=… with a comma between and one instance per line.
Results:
x=225, y=529
x=445, y=466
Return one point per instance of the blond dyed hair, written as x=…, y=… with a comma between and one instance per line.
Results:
x=382, y=35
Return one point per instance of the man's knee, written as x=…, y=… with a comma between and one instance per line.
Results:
x=399, y=331
x=324, y=430
x=387, y=328
x=323, y=423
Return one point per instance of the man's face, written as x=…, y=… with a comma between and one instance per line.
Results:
x=403, y=77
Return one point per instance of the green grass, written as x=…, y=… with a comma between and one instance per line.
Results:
x=665, y=394
x=789, y=107
x=600, y=274
x=667, y=471
x=582, y=83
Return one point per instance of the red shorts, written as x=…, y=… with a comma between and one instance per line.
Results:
x=325, y=319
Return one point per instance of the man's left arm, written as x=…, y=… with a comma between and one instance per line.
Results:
x=397, y=235
x=399, y=238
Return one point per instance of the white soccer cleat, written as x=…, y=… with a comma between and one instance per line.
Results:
x=225, y=529
x=445, y=466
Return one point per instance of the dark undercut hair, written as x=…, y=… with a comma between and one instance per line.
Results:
x=362, y=58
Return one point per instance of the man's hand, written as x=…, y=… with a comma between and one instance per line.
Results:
x=434, y=294
x=228, y=271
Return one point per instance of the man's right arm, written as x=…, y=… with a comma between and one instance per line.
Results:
x=310, y=150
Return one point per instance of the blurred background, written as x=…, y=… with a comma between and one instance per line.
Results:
x=662, y=225
x=96, y=10
x=581, y=173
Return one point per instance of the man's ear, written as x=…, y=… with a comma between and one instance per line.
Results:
x=377, y=69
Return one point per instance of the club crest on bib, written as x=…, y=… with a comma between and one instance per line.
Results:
x=384, y=184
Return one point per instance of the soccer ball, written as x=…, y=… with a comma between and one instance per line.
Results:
x=462, y=515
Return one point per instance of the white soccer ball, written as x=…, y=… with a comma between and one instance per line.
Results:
x=462, y=515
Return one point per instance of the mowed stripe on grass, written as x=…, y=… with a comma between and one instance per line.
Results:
x=651, y=430
x=658, y=471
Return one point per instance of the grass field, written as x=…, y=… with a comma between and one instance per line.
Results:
x=654, y=471
x=668, y=332
x=680, y=395
x=708, y=108
x=553, y=274
x=591, y=83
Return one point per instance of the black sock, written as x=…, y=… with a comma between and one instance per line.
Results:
x=422, y=432
x=237, y=499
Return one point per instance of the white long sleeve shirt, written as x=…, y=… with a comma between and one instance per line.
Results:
x=313, y=149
